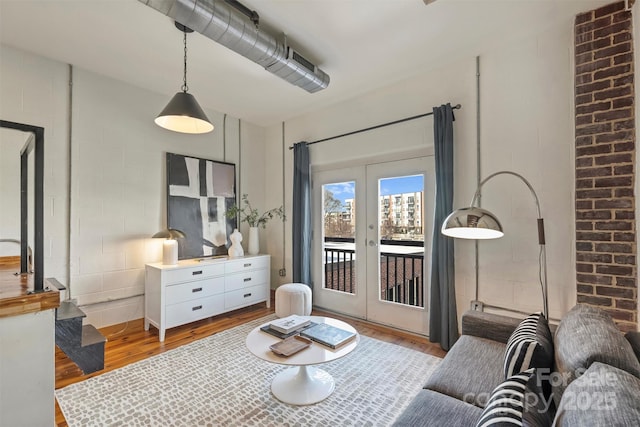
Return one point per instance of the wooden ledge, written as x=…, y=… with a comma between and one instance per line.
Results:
x=16, y=295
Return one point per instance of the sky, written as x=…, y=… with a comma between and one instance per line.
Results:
x=405, y=184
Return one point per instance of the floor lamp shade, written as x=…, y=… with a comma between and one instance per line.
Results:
x=183, y=114
x=472, y=223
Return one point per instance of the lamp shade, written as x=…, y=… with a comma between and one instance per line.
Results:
x=184, y=114
x=170, y=233
x=472, y=223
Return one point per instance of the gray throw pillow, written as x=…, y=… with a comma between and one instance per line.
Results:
x=634, y=340
x=530, y=346
x=586, y=335
x=602, y=396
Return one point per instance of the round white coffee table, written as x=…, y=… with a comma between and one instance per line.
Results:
x=302, y=384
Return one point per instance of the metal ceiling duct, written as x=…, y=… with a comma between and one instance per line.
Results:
x=226, y=25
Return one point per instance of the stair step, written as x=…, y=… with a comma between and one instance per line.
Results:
x=56, y=283
x=68, y=310
x=69, y=332
x=84, y=344
x=90, y=336
x=88, y=354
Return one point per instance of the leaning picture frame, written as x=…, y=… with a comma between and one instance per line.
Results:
x=199, y=192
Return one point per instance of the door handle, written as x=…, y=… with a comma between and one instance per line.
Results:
x=373, y=243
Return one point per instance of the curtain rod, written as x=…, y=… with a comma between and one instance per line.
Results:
x=406, y=119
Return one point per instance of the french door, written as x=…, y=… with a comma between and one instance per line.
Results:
x=372, y=241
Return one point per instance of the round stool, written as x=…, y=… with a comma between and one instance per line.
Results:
x=293, y=298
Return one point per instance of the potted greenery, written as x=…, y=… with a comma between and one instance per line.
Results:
x=246, y=213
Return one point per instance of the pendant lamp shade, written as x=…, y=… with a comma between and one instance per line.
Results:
x=184, y=114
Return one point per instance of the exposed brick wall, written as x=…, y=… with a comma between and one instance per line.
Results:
x=605, y=163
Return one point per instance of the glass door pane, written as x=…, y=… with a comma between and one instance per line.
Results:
x=399, y=228
x=401, y=231
x=338, y=240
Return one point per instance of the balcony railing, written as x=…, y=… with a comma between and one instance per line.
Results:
x=401, y=274
x=339, y=268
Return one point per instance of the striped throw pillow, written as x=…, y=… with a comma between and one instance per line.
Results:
x=518, y=401
x=530, y=346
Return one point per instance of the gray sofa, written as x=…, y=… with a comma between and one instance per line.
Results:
x=593, y=380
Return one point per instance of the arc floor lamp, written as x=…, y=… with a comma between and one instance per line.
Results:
x=477, y=223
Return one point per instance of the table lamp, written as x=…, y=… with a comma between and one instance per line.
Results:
x=170, y=245
x=476, y=223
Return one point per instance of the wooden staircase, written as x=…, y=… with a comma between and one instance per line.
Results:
x=84, y=344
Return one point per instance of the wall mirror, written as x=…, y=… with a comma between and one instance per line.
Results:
x=21, y=197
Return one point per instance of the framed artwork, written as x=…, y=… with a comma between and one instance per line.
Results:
x=199, y=192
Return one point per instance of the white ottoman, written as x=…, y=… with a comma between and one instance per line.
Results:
x=293, y=298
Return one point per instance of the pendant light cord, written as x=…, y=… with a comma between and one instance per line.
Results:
x=185, y=88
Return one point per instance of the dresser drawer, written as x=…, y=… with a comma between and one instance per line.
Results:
x=246, y=296
x=246, y=264
x=245, y=279
x=194, y=290
x=190, y=311
x=193, y=273
x=179, y=294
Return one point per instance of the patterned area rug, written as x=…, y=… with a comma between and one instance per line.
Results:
x=216, y=382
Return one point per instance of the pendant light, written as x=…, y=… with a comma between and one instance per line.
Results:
x=183, y=113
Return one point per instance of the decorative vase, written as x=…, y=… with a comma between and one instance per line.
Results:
x=254, y=242
x=235, y=250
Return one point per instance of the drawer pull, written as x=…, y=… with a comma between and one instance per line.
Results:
x=196, y=290
x=197, y=307
x=248, y=264
x=195, y=273
x=247, y=295
x=248, y=279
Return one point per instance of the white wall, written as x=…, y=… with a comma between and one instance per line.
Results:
x=118, y=190
x=27, y=369
x=11, y=143
x=526, y=126
x=33, y=90
x=101, y=229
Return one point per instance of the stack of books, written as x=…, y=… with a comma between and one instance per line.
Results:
x=287, y=326
x=328, y=335
x=321, y=333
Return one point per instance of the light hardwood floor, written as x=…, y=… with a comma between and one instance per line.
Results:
x=129, y=342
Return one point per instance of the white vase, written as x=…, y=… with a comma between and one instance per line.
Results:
x=254, y=242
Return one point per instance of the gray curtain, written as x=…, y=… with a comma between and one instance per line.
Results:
x=301, y=231
x=443, y=321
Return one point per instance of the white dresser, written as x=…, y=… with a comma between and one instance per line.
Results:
x=194, y=290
